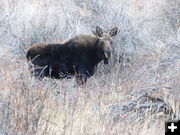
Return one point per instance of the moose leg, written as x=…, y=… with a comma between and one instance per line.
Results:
x=81, y=77
x=39, y=72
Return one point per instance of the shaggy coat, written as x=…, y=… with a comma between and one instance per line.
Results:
x=79, y=56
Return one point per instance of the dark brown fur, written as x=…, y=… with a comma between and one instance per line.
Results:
x=79, y=56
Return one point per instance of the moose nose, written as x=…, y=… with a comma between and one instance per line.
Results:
x=108, y=55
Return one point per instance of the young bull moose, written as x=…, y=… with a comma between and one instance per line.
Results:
x=78, y=56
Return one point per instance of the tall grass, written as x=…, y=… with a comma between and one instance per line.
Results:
x=146, y=62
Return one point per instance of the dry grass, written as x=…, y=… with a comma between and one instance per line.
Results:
x=148, y=50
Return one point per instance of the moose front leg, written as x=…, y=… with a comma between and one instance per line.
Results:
x=81, y=76
x=81, y=79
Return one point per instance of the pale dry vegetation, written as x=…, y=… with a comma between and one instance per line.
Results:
x=115, y=101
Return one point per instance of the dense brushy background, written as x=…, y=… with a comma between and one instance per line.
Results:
x=146, y=60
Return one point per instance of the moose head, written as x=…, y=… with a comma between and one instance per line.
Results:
x=105, y=42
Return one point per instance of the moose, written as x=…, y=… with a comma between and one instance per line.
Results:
x=77, y=57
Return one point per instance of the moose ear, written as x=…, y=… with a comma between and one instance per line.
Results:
x=114, y=32
x=98, y=32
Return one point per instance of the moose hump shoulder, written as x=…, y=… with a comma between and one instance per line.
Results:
x=79, y=56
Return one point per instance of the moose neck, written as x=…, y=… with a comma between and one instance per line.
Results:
x=99, y=52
